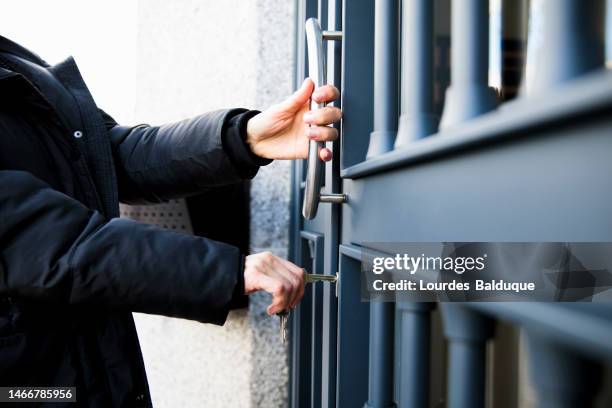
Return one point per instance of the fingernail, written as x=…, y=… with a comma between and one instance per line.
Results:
x=316, y=95
x=311, y=133
x=308, y=116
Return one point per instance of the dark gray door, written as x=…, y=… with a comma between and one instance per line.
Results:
x=534, y=170
x=329, y=338
x=314, y=246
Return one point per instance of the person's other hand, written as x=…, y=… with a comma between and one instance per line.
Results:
x=284, y=130
x=281, y=278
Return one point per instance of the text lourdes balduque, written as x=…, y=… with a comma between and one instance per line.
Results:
x=453, y=285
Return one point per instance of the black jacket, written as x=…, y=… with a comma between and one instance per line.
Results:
x=71, y=272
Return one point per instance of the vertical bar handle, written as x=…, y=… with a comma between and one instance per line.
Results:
x=316, y=71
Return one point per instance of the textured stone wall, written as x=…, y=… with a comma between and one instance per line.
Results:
x=194, y=56
x=270, y=200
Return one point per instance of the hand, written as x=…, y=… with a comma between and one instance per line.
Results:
x=284, y=130
x=281, y=278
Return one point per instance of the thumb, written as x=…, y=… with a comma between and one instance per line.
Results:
x=299, y=97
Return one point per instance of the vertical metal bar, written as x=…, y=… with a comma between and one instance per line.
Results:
x=608, y=35
x=467, y=375
x=561, y=378
x=503, y=367
x=334, y=77
x=414, y=347
x=467, y=333
x=299, y=320
x=316, y=346
x=316, y=243
x=295, y=215
x=418, y=118
x=469, y=94
x=513, y=41
x=329, y=351
x=322, y=12
x=442, y=46
x=300, y=352
x=571, y=42
x=327, y=397
x=316, y=334
x=386, y=100
x=380, y=381
x=353, y=340
x=386, y=63
x=357, y=74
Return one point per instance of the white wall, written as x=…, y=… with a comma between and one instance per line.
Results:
x=199, y=56
x=100, y=35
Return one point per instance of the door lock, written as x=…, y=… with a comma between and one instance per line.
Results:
x=308, y=278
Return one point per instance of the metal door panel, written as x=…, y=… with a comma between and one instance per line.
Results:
x=305, y=324
x=300, y=345
x=316, y=237
x=353, y=333
x=315, y=243
x=512, y=191
x=319, y=313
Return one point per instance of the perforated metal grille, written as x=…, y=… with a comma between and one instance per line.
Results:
x=172, y=215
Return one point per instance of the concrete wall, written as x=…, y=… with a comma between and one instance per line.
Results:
x=194, y=56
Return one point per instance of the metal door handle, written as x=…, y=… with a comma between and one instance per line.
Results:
x=316, y=71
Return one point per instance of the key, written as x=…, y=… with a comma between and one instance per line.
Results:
x=316, y=277
x=284, y=317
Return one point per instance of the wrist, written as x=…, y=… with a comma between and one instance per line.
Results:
x=248, y=278
x=252, y=134
x=235, y=144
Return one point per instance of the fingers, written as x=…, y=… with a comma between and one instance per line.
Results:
x=318, y=119
x=325, y=94
x=323, y=116
x=300, y=274
x=284, y=280
x=285, y=291
x=299, y=97
x=322, y=133
x=294, y=288
x=281, y=292
x=279, y=298
x=325, y=154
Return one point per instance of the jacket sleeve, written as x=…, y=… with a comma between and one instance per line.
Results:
x=54, y=249
x=158, y=163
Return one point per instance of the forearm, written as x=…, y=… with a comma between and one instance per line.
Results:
x=157, y=163
x=56, y=250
